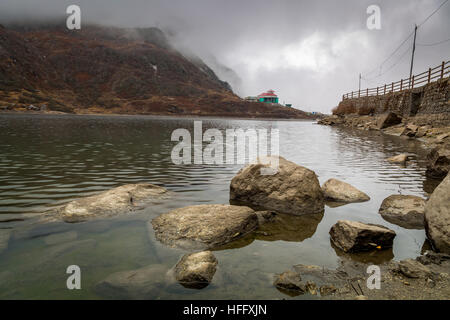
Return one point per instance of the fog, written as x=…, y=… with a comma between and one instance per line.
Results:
x=309, y=52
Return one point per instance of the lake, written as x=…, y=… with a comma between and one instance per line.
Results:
x=48, y=160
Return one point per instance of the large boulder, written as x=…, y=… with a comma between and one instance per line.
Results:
x=293, y=189
x=339, y=191
x=353, y=236
x=437, y=216
x=388, y=120
x=404, y=210
x=196, y=270
x=123, y=199
x=438, y=162
x=143, y=283
x=204, y=226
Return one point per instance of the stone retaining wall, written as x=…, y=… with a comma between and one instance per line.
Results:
x=429, y=104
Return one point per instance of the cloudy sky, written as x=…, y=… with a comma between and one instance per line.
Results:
x=309, y=52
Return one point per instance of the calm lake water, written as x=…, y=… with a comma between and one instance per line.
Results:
x=47, y=160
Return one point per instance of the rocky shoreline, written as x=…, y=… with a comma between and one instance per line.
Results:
x=260, y=202
x=435, y=137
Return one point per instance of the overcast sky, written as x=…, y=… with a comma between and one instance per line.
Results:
x=309, y=52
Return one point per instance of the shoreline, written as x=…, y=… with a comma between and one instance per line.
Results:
x=160, y=116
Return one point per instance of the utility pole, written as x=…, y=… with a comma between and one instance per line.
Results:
x=412, y=57
x=359, y=87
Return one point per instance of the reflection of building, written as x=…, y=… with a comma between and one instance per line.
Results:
x=268, y=97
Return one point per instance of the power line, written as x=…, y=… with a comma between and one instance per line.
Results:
x=404, y=41
x=426, y=19
x=432, y=44
x=391, y=67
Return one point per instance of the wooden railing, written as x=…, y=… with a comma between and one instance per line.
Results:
x=433, y=74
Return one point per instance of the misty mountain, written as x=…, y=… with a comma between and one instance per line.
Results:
x=112, y=70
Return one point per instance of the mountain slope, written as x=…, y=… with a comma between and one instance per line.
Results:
x=111, y=70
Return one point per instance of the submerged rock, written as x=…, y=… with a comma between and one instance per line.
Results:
x=352, y=236
x=438, y=162
x=204, y=226
x=5, y=234
x=401, y=158
x=290, y=281
x=293, y=189
x=437, y=216
x=119, y=200
x=61, y=237
x=339, y=191
x=196, y=270
x=143, y=283
x=404, y=210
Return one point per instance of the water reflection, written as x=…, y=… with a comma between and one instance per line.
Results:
x=46, y=161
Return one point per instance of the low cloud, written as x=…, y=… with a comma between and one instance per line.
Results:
x=310, y=52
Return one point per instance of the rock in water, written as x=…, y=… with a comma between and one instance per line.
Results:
x=388, y=120
x=293, y=189
x=61, y=237
x=119, y=200
x=437, y=216
x=340, y=191
x=401, y=158
x=413, y=269
x=438, y=162
x=204, y=226
x=403, y=210
x=352, y=236
x=196, y=270
x=290, y=281
x=5, y=234
x=143, y=283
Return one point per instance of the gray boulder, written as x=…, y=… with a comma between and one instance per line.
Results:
x=123, y=199
x=353, y=236
x=404, y=210
x=293, y=189
x=204, y=226
x=437, y=216
x=339, y=191
x=438, y=162
x=196, y=270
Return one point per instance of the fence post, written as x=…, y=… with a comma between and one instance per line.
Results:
x=377, y=91
x=367, y=92
x=442, y=70
x=429, y=75
x=401, y=84
x=359, y=93
x=392, y=87
x=412, y=83
x=352, y=94
x=384, y=89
